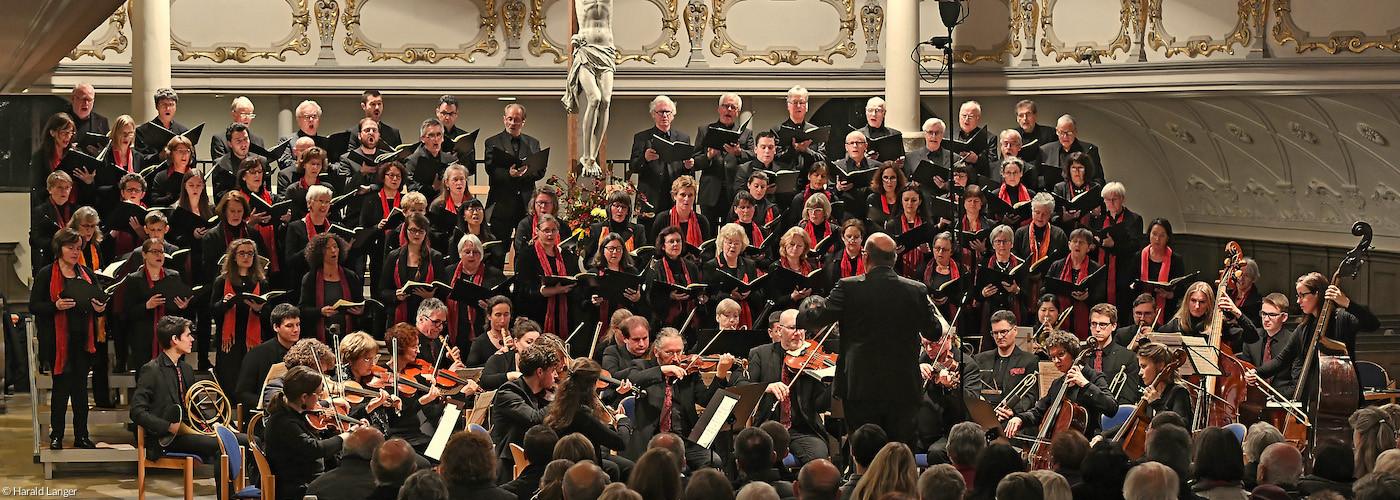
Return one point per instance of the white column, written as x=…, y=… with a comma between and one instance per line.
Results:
x=901, y=72
x=286, y=115
x=150, y=54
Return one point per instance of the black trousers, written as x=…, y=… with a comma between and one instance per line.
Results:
x=101, y=385
x=896, y=418
x=806, y=447
x=226, y=364
x=71, y=385
x=209, y=450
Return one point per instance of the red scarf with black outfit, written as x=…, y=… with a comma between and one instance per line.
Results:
x=1081, y=313
x=268, y=232
x=401, y=310
x=60, y=318
x=159, y=311
x=692, y=226
x=677, y=307
x=252, y=326
x=1107, y=259
x=556, y=316
x=321, y=295
x=912, y=256
x=1164, y=273
x=454, y=309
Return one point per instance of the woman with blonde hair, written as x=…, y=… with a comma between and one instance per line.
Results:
x=1372, y=433
x=793, y=250
x=892, y=470
x=1198, y=307
x=730, y=265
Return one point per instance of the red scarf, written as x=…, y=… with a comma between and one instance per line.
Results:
x=1081, y=313
x=678, y=306
x=454, y=309
x=603, y=233
x=803, y=267
x=885, y=204
x=159, y=311
x=93, y=260
x=401, y=310
x=1039, y=250
x=311, y=228
x=267, y=233
x=386, y=204
x=846, y=270
x=64, y=211
x=252, y=332
x=556, y=316
x=755, y=234
x=304, y=185
x=122, y=160
x=768, y=213
x=1021, y=194
x=912, y=256
x=448, y=204
x=745, y=314
x=60, y=319
x=692, y=226
x=232, y=233
x=321, y=298
x=811, y=229
x=1163, y=274
x=1111, y=260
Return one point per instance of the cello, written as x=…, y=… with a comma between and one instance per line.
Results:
x=1327, y=386
x=1063, y=414
x=1132, y=436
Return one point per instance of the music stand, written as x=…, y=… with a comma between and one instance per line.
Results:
x=728, y=410
x=735, y=342
x=1199, y=352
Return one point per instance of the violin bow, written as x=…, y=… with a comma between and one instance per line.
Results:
x=826, y=332
x=394, y=368
x=438, y=362
x=688, y=317
x=340, y=426
x=594, y=346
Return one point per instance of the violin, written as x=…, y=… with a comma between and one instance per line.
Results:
x=695, y=363
x=809, y=356
x=1132, y=436
x=324, y=418
x=403, y=384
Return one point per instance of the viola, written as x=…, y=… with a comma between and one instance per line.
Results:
x=809, y=356
x=356, y=393
x=694, y=363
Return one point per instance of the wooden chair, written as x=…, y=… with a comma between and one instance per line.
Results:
x=265, y=479
x=518, y=455
x=173, y=461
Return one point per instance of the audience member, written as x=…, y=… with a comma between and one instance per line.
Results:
x=1259, y=436
x=1151, y=481
x=619, y=491
x=864, y=443
x=1104, y=469
x=709, y=484
x=1217, y=467
x=538, y=446
x=996, y=462
x=1020, y=486
x=757, y=491
x=656, y=476
x=753, y=457
x=1377, y=487
x=1373, y=433
x=893, y=469
x=422, y=485
x=576, y=448
x=352, y=479
x=1054, y=485
x=1170, y=445
x=552, y=482
x=469, y=467
x=1281, y=465
x=781, y=438
x=1332, y=469
x=393, y=462
x=672, y=443
x=1388, y=462
x=942, y=482
x=1067, y=450
x=584, y=481
x=818, y=480
x=965, y=442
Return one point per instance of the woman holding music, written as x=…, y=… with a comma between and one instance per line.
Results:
x=612, y=257
x=415, y=261
x=67, y=335
x=327, y=284
x=850, y=261
x=670, y=305
x=729, y=269
x=467, y=321
x=914, y=213
x=239, y=325
x=543, y=257
x=883, y=201
x=794, y=251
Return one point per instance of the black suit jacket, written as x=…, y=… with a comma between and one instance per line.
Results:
x=158, y=389
x=654, y=177
x=513, y=412
x=509, y=196
x=1285, y=359
x=218, y=142
x=351, y=480
x=810, y=397
x=1116, y=359
x=715, y=190
x=388, y=136
x=881, y=317
x=685, y=394
x=1002, y=376
x=1093, y=397
x=1053, y=156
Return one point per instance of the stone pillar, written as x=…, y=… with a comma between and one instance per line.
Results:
x=901, y=72
x=150, y=55
x=286, y=115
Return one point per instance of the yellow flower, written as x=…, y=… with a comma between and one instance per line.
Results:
x=598, y=212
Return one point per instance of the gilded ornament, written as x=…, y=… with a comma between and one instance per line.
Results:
x=484, y=42
x=295, y=41
x=115, y=35
x=843, y=45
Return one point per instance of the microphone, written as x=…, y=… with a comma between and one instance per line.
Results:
x=950, y=11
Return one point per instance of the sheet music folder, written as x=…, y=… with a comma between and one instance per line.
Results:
x=729, y=410
x=1200, y=353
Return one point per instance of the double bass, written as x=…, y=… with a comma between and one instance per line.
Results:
x=1219, y=405
x=1327, y=386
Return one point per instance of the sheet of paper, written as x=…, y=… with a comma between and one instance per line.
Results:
x=721, y=416
x=450, y=415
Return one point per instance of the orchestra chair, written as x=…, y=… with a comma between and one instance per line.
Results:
x=477, y=428
x=265, y=479
x=173, y=461
x=231, y=462
x=790, y=461
x=518, y=455
x=629, y=406
x=1374, y=379
x=1111, y=421
x=1239, y=430
x=920, y=460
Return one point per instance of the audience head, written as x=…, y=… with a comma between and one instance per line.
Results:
x=1151, y=481
x=1280, y=464
x=363, y=442
x=1217, y=456
x=707, y=484
x=423, y=485
x=965, y=442
x=1170, y=445
x=757, y=490
x=753, y=451
x=995, y=462
x=552, y=481
x=539, y=444
x=893, y=469
x=1377, y=487
x=393, y=461
x=655, y=476
x=865, y=442
x=1260, y=436
x=619, y=491
x=468, y=458
x=781, y=439
x=818, y=480
x=1332, y=460
x=575, y=447
x=1372, y=433
x=1020, y=486
x=1105, y=465
x=1055, y=486
x=1067, y=450
x=941, y=482
x=1167, y=417
x=1388, y=462
x=672, y=443
x=584, y=481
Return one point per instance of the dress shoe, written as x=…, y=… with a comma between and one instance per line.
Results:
x=84, y=443
x=55, y=443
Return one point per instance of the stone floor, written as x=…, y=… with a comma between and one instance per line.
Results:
x=20, y=474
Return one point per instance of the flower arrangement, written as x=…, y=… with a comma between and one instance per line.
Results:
x=582, y=203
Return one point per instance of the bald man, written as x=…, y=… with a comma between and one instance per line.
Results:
x=352, y=479
x=84, y=98
x=818, y=480
x=1281, y=465
x=393, y=462
x=584, y=481
x=882, y=317
x=288, y=173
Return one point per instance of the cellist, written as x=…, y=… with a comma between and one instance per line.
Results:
x=1090, y=388
x=1167, y=395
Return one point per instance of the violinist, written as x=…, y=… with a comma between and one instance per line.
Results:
x=1144, y=314
x=1007, y=295
x=524, y=401
x=800, y=397
x=672, y=390
x=239, y=324
x=671, y=306
x=310, y=353
x=1089, y=389
x=415, y=261
x=914, y=213
x=295, y=451
x=1004, y=368
x=67, y=329
x=1075, y=268
x=619, y=208
x=793, y=249
x=1194, y=316
x=505, y=366
x=729, y=260
x=1105, y=355
x=945, y=369
x=466, y=321
x=1117, y=255
x=618, y=359
x=1277, y=354
x=286, y=326
x=497, y=336
x=576, y=408
x=613, y=257
x=328, y=283
x=359, y=352
x=1167, y=395
x=431, y=320
x=418, y=405
x=694, y=226
x=548, y=304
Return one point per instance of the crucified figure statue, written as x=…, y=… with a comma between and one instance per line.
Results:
x=590, y=80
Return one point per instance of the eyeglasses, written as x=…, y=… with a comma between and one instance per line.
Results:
x=1064, y=132
x=310, y=116
x=246, y=253
x=475, y=209
x=248, y=115
x=88, y=226
x=1099, y=324
x=414, y=230
x=612, y=248
x=969, y=116
x=393, y=176
x=1300, y=295
x=66, y=133
x=797, y=103
x=731, y=107
x=447, y=113
x=852, y=143
x=438, y=322
x=433, y=136
x=664, y=112
x=1272, y=315
x=133, y=189
x=1003, y=333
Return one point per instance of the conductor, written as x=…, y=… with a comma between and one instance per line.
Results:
x=882, y=316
